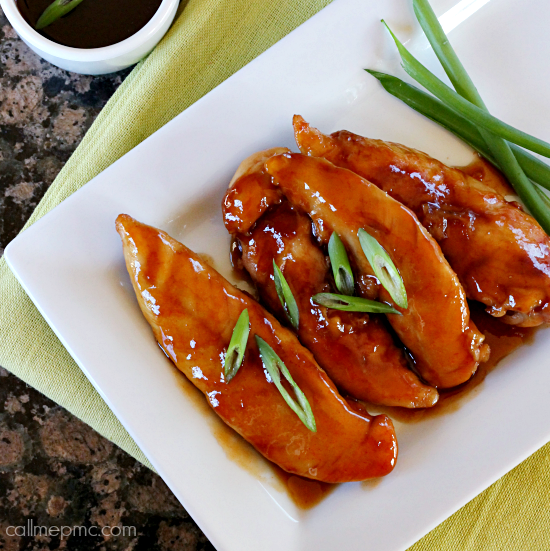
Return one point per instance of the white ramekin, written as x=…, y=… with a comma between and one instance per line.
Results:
x=95, y=61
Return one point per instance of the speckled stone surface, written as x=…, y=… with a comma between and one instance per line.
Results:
x=55, y=471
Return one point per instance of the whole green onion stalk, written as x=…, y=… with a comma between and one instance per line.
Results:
x=465, y=87
x=434, y=109
x=477, y=114
x=469, y=104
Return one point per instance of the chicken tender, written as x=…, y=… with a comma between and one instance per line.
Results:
x=192, y=310
x=436, y=326
x=499, y=252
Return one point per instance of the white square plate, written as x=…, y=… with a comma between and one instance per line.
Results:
x=71, y=265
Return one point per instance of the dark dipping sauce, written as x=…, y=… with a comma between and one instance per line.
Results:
x=93, y=23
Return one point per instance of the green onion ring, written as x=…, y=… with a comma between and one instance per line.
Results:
x=286, y=297
x=384, y=268
x=353, y=304
x=343, y=276
x=237, y=346
x=275, y=366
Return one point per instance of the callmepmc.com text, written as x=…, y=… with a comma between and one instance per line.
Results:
x=32, y=530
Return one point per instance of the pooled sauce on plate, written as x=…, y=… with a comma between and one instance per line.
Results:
x=305, y=493
x=93, y=23
x=503, y=340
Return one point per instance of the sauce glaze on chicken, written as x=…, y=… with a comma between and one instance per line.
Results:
x=432, y=220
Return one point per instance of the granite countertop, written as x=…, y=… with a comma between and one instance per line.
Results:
x=54, y=469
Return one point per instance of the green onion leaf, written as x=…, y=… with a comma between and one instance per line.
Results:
x=545, y=199
x=476, y=114
x=353, y=304
x=55, y=11
x=237, y=345
x=343, y=276
x=275, y=366
x=437, y=111
x=499, y=148
x=286, y=297
x=383, y=267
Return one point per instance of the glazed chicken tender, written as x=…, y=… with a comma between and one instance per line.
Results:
x=499, y=252
x=436, y=326
x=355, y=349
x=193, y=310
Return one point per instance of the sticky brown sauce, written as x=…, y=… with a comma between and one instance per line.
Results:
x=305, y=493
x=93, y=23
x=485, y=172
x=236, y=258
x=240, y=275
x=503, y=340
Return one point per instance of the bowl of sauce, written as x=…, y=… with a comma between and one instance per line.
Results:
x=97, y=36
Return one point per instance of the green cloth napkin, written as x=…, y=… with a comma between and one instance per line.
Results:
x=209, y=41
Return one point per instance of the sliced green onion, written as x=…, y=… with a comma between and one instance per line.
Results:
x=383, y=267
x=353, y=304
x=481, y=117
x=237, y=345
x=275, y=366
x=55, y=11
x=286, y=297
x=343, y=276
x=466, y=88
x=437, y=111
